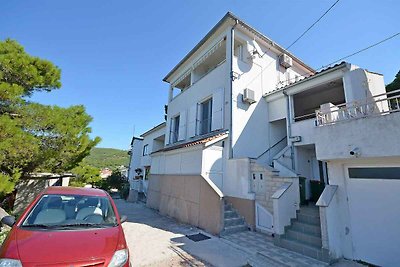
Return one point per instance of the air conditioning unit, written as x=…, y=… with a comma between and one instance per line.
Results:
x=249, y=96
x=285, y=61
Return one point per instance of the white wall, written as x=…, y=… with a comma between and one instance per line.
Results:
x=251, y=122
x=206, y=87
x=213, y=164
x=135, y=159
x=237, y=179
x=305, y=129
x=374, y=136
x=149, y=140
x=367, y=213
x=182, y=161
x=277, y=109
x=360, y=84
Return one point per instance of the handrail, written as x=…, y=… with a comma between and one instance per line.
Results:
x=361, y=108
x=271, y=147
x=305, y=117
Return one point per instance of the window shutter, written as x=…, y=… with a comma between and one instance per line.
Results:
x=192, y=121
x=168, y=131
x=182, y=126
x=217, y=110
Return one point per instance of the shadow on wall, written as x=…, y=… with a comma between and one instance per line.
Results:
x=188, y=198
x=27, y=190
x=254, y=137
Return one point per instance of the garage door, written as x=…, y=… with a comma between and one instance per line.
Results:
x=374, y=203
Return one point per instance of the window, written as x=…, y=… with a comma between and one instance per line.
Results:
x=205, y=118
x=375, y=173
x=145, y=150
x=62, y=212
x=174, y=134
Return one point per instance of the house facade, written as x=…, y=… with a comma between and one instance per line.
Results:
x=140, y=159
x=256, y=139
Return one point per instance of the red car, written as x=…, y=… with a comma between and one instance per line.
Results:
x=66, y=226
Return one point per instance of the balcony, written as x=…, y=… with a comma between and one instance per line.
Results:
x=371, y=127
x=201, y=68
x=375, y=106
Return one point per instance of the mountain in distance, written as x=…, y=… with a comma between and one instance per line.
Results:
x=107, y=158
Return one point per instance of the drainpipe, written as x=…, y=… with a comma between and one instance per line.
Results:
x=231, y=90
x=289, y=127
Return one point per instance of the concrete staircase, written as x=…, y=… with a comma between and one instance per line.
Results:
x=304, y=234
x=233, y=222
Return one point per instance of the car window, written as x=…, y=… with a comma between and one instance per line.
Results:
x=71, y=211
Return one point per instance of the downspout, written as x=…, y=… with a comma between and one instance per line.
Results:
x=289, y=128
x=231, y=90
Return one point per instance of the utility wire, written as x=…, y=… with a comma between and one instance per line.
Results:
x=353, y=54
x=312, y=25
x=295, y=41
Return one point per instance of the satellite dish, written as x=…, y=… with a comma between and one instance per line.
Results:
x=257, y=48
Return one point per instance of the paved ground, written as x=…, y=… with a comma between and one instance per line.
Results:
x=156, y=240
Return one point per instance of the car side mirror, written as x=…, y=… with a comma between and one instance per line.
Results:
x=8, y=220
x=123, y=218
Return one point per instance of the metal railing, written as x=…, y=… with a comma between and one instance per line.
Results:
x=270, y=148
x=381, y=104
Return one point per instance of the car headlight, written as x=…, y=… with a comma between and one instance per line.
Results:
x=119, y=258
x=10, y=263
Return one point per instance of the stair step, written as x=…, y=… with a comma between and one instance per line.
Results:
x=233, y=221
x=306, y=228
x=304, y=237
x=234, y=229
x=308, y=211
x=305, y=249
x=228, y=207
x=230, y=214
x=310, y=219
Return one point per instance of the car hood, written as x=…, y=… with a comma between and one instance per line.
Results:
x=67, y=246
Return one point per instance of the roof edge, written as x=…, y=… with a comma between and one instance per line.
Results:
x=230, y=15
x=306, y=79
x=155, y=128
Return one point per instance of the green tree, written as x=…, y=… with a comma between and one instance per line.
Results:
x=85, y=174
x=395, y=84
x=35, y=137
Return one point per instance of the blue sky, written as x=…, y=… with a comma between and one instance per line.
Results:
x=114, y=54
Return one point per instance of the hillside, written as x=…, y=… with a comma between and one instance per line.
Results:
x=107, y=157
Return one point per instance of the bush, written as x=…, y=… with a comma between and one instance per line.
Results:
x=124, y=191
x=3, y=234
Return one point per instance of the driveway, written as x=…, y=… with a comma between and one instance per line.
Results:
x=156, y=240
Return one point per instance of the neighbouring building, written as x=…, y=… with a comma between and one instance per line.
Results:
x=135, y=158
x=105, y=172
x=256, y=139
x=140, y=161
x=28, y=189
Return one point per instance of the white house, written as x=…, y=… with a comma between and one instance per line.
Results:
x=140, y=160
x=135, y=156
x=255, y=138
x=341, y=122
x=217, y=126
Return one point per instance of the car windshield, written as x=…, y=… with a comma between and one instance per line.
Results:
x=66, y=211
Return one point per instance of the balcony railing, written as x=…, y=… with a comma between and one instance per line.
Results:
x=374, y=106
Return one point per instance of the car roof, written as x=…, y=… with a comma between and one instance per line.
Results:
x=67, y=190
